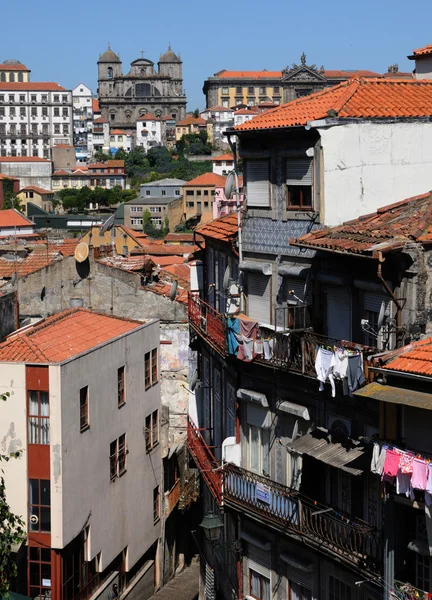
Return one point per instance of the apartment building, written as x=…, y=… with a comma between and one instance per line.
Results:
x=150, y=131
x=99, y=139
x=106, y=175
x=34, y=117
x=82, y=120
x=120, y=139
x=162, y=199
x=84, y=385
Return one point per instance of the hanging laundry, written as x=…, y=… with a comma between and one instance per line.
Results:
x=403, y=483
x=406, y=464
x=355, y=372
x=324, y=368
x=258, y=348
x=378, y=459
x=248, y=331
x=429, y=478
x=233, y=331
x=419, y=474
x=268, y=348
x=247, y=346
x=391, y=464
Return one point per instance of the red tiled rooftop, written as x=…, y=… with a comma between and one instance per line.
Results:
x=109, y=163
x=32, y=86
x=425, y=51
x=149, y=117
x=13, y=67
x=164, y=261
x=217, y=109
x=415, y=358
x=179, y=238
x=129, y=263
x=168, y=249
x=223, y=157
x=358, y=98
x=207, y=179
x=38, y=190
x=95, y=105
x=247, y=111
x=63, y=146
x=224, y=229
x=248, y=74
x=101, y=120
x=118, y=132
x=390, y=228
x=191, y=121
x=180, y=271
x=64, y=336
x=13, y=218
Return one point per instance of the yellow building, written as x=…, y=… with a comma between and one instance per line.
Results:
x=39, y=196
x=190, y=125
x=14, y=71
x=125, y=239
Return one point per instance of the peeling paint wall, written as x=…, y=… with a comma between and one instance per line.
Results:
x=370, y=165
x=8, y=314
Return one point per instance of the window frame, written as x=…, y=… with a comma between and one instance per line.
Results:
x=154, y=366
x=152, y=430
x=147, y=370
x=156, y=505
x=84, y=409
x=39, y=506
x=113, y=460
x=121, y=388
x=260, y=577
x=37, y=419
x=294, y=183
x=121, y=455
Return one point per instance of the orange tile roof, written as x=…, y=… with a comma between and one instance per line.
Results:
x=168, y=250
x=23, y=159
x=101, y=120
x=164, y=261
x=36, y=260
x=95, y=105
x=223, y=157
x=425, y=51
x=224, y=229
x=34, y=188
x=341, y=74
x=129, y=263
x=390, y=228
x=415, y=358
x=207, y=179
x=13, y=218
x=118, y=132
x=8, y=177
x=42, y=86
x=149, y=117
x=358, y=98
x=13, y=67
x=191, y=121
x=64, y=336
x=61, y=172
x=138, y=236
x=109, y=163
x=63, y=146
x=248, y=74
x=180, y=271
x=247, y=111
x=164, y=289
x=217, y=109
x=178, y=237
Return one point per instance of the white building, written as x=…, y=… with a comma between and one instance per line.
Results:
x=223, y=164
x=149, y=131
x=30, y=170
x=120, y=139
x=85, y=410
x=222, y=118
x=244, y=114
x=33, y=118
x=82, y=120
x=99, y=138
x=423, y=62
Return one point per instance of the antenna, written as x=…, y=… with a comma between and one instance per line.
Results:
x=381, y=315
x=229, y=185
x=227, y=277
x=173, y=290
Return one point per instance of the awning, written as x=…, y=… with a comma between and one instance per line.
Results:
x=395, y=395
x=294, y=409
x=255, y=266
x=293, y=270
x=349, y=455
x=251, y=396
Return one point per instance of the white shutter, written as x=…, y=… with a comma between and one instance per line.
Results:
x=257, y=183
x=259, y=560
x=299, y=171
x=259, y=300
x=210, y=589
x=339, y=313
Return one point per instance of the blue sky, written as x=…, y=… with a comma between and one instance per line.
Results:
x=61, y=41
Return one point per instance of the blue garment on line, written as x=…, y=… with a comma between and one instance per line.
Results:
x=233, y=331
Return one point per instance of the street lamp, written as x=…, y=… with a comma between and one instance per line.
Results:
x=212, y=526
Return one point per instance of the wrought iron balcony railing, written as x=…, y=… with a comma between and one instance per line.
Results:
x=322, y=526
x=205, y=461
x=208, y=323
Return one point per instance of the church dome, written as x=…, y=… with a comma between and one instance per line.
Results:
x=169, y=57
x=12, y=61
x=109, y=56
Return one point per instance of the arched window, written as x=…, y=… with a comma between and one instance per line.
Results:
x=3, y=77
x=110, y=73
x=143, y=72
x=11, y=76
x=20, y=77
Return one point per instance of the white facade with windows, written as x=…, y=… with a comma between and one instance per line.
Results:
x=82, y=120
x=149, y=131
x=34, y=117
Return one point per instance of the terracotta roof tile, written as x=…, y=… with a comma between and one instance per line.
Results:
x=109, y=163
x=191, y=121
x=13, y=218
x=164, y=261
x=13, y=67
x=425, y=51
x=95, y=105
x=168, y=249
x=180, y=271
x=414, y=358
x=358, y=98
x=23, y=159
x=129, y=263
x=64, y=336
x=42, y=86
x=100, y=120
x=118, y=132
x=207, y=179
x=391, y=227
x=149, y=117
x=223, y=157
x=178, y=238
x=34, y=188
x=224, y=229
x=248, y=74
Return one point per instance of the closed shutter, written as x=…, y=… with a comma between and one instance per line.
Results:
x=299, y=171
x=297, y=285
x=373, y=302
x=339, y=313
x=300, y=577
x=210, y=590
x=259, y=560
x=259, y=300
x=206, y=394
x=217, y=418
x=258, y=184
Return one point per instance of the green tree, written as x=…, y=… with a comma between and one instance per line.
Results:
x=147, y=224
x=121, y=154
x=100, y=156
x=10, y=198
x=196, y=113
x=165, y=228
x=12, y=530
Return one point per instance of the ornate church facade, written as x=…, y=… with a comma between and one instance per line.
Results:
x=125, y=98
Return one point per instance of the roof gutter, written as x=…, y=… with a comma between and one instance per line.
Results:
x=293, y=242
x=388, y=372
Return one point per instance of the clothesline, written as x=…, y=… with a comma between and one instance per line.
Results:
x=343, y=364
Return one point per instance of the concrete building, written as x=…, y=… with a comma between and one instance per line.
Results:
x=123, y=98
x=63, y=157
x=30, y=170
x=82, y=98
x=162, y=198
x=199, y=195
x=222, y=119
x=12, y=71
x=190, y=125
x=34, y=117
x=99, y=139
x=150, y=131
x=245, y=114
x=106, y=175
x=120, y=139
x=423, y=62
x=39, y=196
x=124, y=239
x=223, y=164
x=231, y=88
x=61, y=392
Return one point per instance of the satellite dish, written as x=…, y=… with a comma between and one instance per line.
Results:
x=227, y=277
x=81, y=252
x=229, y=186
x=381, y=315
x=173, y=290
x=43, y=293
x=194, y=381
x=14, y=278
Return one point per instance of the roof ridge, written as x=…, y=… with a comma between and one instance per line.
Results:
x=352, y=86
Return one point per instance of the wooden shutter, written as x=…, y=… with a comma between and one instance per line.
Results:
x=339, y=316
x=257, y=183
x=299, y=171
x=259, y=299
x=259, y=560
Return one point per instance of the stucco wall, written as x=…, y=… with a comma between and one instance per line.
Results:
x=8, y=314
x=367, y=166
x=423, y=68
x=120, y=513
x=13, y=436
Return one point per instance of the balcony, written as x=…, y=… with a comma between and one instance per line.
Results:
x=172, y=497
x=208, y=323
x=205, y=461
x=322, y=527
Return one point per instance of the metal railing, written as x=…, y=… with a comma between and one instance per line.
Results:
x=208, y=322
x=328, y=528
x=292, y=317
x=172, y=497
x=205, y=461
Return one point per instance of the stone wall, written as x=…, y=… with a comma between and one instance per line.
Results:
x=8, y=314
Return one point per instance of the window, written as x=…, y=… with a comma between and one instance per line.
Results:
x=258, y=185
x=65, y=111
x=117, y=457
x=44, y=111
x=136, y=221
x=84, y=409
x=259, y=586
x=147, y=371
x=239, y=90
x=66, y=129
x=251, y=90
x=177, y=192
x=155, y=209
x=64, y=98
x=11, y=76
x=38, y=418
x=262, y=90
x=276, y=90
x=189, y=192
x=152, y=430
x=112, y=117
x=205, y=192
x=56, y=111
x=298, y=592
x=156, y=504
x=39, y=572
x=121, y=386
x=2, y=111
x=39, y=505
x=147, y=192
x=32, y=98
x=154, y=366
x=225, y=90
x=338, y=590
x=56, y=98
x=22, y=98
x=163, y=192
x=22, y=111
x=258, y=450
x=150, y=368
x=11, y=98
x=44, y=98
x=12, y=111
x=299, y=183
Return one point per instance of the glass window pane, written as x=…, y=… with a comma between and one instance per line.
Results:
x=44, y=431
x=45, y=555
x=265, y=588
x=34, y=491
x=45, y=499
x=46, y=571
x=33, y=430
x=254, y=448
x=255, y=584
x=265, y=450
x=44, y=404
x=34, y=553
x=45, y=522
x=34, y=511
x=33, y=403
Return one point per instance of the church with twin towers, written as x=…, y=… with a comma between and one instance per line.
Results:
x=144, y=90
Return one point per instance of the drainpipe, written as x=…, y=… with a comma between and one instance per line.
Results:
x=233, y=147
x=390, y=292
